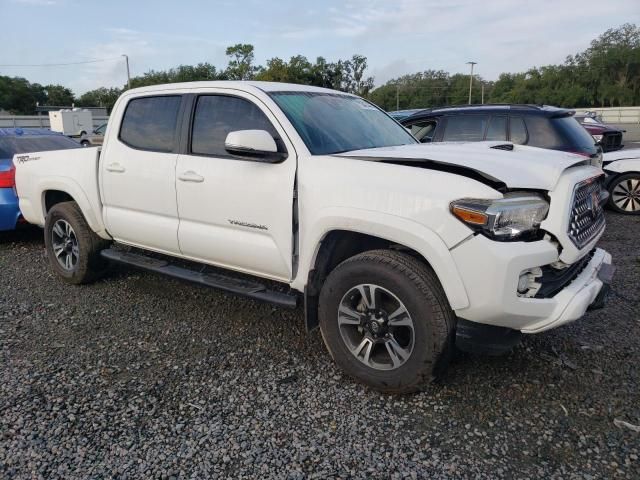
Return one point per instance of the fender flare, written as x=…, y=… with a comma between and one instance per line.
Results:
x=75, y=191
x=401, y=231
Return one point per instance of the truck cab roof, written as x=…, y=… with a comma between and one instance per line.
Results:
x=237, y=85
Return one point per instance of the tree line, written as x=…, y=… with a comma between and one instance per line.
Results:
x=605, y=74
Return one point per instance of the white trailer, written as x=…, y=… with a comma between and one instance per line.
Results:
x=76, y=122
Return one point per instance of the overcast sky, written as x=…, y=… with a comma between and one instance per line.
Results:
x=397, y=36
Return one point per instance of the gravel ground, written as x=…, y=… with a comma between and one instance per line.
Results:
x=138, y=376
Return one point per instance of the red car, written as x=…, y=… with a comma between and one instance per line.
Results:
x=608, y=137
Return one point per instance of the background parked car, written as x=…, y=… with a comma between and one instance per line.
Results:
x=15, y=141
x=96, y=137
x=537, y=126
x=623, y=180
x=402, y=114
x=607, y=136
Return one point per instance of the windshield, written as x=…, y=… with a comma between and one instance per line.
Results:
x=333, y=123
x=9, y=146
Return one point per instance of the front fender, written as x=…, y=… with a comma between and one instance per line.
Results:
x=625, y=165
x=391, y=228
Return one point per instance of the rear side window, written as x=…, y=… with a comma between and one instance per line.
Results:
x=465, y=128
x=149, y=123
x=497, y=128
x=518, y=131
x=217, y=115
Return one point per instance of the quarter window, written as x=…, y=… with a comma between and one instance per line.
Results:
x=465, y=128
x=149, y=123
x=217, y=115
x=497, y=128
x=542, y=133
x=518, y=131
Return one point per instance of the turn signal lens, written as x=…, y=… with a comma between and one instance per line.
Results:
x=469, y=216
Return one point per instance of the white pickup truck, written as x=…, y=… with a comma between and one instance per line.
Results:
x=280, y=192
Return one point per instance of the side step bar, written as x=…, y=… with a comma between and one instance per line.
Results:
x=238, y=286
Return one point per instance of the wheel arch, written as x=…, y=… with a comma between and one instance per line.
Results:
x=338, y=244
x=54, y=192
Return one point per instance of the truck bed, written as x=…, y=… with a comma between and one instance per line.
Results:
x=71, y=172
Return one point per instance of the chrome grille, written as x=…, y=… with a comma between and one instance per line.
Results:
x=586, y=219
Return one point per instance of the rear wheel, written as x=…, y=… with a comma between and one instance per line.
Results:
x=72, y=247
x=386, y=321
x=624, y=194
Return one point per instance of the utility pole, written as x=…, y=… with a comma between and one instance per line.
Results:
x=397, y=96
x=482, y=94
x=126, y=59
x=471, y=79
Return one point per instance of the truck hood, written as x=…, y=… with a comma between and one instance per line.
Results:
x=516, y=166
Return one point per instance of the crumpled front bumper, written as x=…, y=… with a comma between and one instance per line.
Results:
x=490, y=272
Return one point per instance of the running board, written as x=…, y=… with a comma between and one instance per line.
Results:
x=238, y=286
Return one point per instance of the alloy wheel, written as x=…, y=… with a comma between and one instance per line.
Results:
x=626, y=195
x=376, y=327
x=65, y=245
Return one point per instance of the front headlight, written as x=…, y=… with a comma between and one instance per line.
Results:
x=597, y=138
x=516, y=216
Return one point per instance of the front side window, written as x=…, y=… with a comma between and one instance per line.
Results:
x=497, y=128
x=331, y=123
x=424, y=130
x=465, y=128
x=218, y=115
x=149, y=123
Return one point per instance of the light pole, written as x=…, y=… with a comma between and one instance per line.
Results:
x=126, y=59
x=471, y=79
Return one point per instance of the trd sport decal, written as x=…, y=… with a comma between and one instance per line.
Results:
x=26, y=158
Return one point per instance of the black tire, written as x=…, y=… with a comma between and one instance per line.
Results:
x=417, y=288
x=85, y=143
x=89, y=265
x=624, y=194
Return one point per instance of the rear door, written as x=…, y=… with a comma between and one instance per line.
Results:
x=138, y=173
x=235, y=212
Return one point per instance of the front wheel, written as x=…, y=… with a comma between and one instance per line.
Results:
x=624, y=194
x=386, y=321
x=72, y=247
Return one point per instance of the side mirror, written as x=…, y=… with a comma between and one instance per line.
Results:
x=258, y=145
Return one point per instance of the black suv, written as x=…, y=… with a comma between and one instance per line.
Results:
x=537, y=126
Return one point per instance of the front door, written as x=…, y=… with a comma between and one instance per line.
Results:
x=138, y=174
x=234, y=211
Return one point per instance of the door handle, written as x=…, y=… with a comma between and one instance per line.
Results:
x=190, y=176
x=115, y=167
